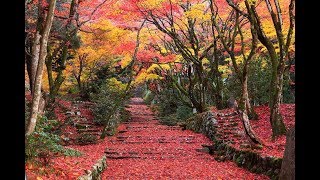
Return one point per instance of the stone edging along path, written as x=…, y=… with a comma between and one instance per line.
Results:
x=211, y=125
x=96, y=170
x=145, y=149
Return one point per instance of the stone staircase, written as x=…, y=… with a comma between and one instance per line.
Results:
x=84, y=125
x=230, y=129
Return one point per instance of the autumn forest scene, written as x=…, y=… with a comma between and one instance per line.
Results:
x=159, y=89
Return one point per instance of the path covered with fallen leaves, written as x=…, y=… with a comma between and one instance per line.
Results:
x=145, y=149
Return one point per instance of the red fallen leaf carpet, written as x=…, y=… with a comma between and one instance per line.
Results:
x=145, y=149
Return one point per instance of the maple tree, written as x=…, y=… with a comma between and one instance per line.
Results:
x=278, y=59
x=184, y=51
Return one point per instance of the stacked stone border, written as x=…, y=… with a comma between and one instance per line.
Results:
x=95, y=172
x=207, y=124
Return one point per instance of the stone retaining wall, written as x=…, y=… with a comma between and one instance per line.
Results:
x=96, y=170
x=207, y=124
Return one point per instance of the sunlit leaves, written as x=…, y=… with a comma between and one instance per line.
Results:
x=198, y=11
x=144, y=76
x=159, y=67
x=151, y=4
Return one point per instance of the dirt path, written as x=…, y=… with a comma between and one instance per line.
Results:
x=145, y=149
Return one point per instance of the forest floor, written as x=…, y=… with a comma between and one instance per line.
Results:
x=145, y=149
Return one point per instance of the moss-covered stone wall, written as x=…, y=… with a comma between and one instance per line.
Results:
x=207, y=124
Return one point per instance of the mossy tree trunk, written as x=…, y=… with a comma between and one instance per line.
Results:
x=38, y=78
x=278, y=60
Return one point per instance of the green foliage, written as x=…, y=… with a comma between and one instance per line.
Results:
x=258, y=83
x=73, y=90
x=288, y=96
x=169, y=108
x=124, y=114
x=148, y=97
x=167, y=102
x=169, y=120
x=43, y=142
x=110, y=101
x=184, y=112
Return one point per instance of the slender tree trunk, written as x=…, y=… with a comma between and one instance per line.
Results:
x=191, y=92
x=49, y=73
x=218, y=96
x=34, y=60
x=201, y=97
x=42, y=104
x=79, y=83
x=38, y=78
x=246, y=123
x=278, y=127
x=288, y=162
x=28, y=64
x=246, y=100
x=81, y=64
x=247, y=109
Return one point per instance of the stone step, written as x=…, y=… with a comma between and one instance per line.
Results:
x=89, y=130
x=83, y=126
x=227, y=114
x=115, y=153
x=92, y=133
x=84, y=123
x=122, y=131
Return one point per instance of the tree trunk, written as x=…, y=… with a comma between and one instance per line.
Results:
x=246, y=100
x=218, y=97
x=247, y=109
x=49, y=73
x=79, y=82
x=56, y=84
x=81, y=64
x=246, y=123
x=60, y=74
x=278, y=127
x=38, y=78
x=288, y=162
x=28, y=64
x=247, y=127
x=34, y=60
x=42, y=105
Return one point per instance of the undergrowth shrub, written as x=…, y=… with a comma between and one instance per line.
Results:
x=167, y=102
x=170, y=109
x=43, y=144
x=110, y=100
x=184, y=112
x=148, y=97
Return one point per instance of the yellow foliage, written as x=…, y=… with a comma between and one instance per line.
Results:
x=225, y=70
x=141, y=77
x=126, y=60
x=205, y=61
x=152, y=77
x=197, y=11
x=252, y=2
x=144, y=76
x=178, y=58
x=117, y=85
x=151, y=4
x=156, y=66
